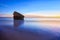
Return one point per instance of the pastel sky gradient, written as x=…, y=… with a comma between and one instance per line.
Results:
x=30, y=6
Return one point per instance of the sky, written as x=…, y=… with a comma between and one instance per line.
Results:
x=30, y=6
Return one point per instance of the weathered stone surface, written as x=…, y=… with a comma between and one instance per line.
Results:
x=18, y=16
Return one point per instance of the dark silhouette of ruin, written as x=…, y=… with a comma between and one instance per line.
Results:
x=18, y=16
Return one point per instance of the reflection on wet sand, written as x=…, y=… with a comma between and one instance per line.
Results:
x=51, y=23
x=27, y=30
x=18, y=23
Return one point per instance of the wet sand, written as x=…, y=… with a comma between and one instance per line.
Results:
x=30, y=30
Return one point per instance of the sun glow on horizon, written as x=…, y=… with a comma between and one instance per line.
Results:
x=44, y=14
x=38, y=14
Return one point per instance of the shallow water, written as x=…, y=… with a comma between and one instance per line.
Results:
x=30, y=29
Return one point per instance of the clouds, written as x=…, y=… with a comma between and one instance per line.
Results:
x=45, y=13
x=28, y=6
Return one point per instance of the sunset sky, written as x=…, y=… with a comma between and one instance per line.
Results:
x=42, y=7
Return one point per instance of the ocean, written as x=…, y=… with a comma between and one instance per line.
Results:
x=30, y=28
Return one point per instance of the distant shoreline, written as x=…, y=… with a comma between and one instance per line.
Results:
x=34, y=19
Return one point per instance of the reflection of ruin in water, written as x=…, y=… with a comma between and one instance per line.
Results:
x=18, y=23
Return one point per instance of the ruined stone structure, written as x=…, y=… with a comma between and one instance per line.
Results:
x=18, y=16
